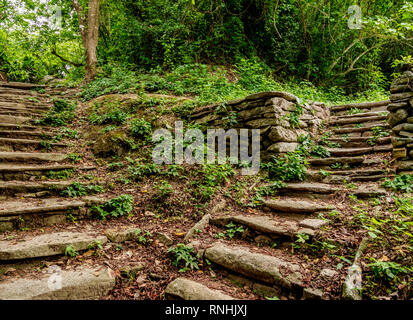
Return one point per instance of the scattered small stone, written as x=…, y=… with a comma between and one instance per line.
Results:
x=312, y=294
x=164, y=238
x=313, y=223
x=328, y=273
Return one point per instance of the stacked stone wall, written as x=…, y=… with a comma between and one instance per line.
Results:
x=279, y=116
x=401, y=119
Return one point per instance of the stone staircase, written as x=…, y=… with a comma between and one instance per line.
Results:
x=30, y=201
x=359, y=143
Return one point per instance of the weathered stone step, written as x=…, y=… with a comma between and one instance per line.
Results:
x=324, y=188
x=345, y=152
x=258, y=266
x=358, y=115
x=28, y=157
x=15, y=187
x=20, y=85
x=360, y=106
x=297, y=206
x=14, y=120
x=190, y=290
x=333, y=160
x=15, y=127
x=23, y=106
x=21, y=113
x=362, y=129
x=358, y=142
x=23, y=134
x=47, y=245
x=10, y=172
x=265, y=224
x=354, y=120
x=81, y=284
x=10, y=144
x=29, y=213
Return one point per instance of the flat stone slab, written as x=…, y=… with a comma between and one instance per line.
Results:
x=20, y=85
x=190, y=290
x=313, y=223
x=299, y=206
x=28, y=186
x=333, y=160
x=349, y=151
x=322, y=188
x=122, y=235
x=265, y=224
x=84, y=284
x=258, y=266
x=32, y=156
x=13, y=208
x=47, y=245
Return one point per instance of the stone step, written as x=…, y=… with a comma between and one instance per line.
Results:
x=29, y=213
x=360, y=106
x=15, y=187
x=21, y=113
x=333, y=160
x=28, y=157
x=47, y=245
x=359, y=130
x=355, y=120
x=15, y=127
x=10, y=144
x=345, y=152
x=81, y=284
x=21, y=85
x=258, y=266
x=293, y=205
x=10, y=172
x=14, y=120
x=13, y=106
x=324, y=188
x=359, y=115
x=359, y=142
x=190, y=290
x=265, y=224
x=23, y=134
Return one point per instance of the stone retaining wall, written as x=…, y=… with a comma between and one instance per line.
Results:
x=271, y=112
x=401, y=119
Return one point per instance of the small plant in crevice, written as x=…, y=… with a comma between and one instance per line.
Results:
x=70, y=251
x=291, y=167
x=232, y=230
x=77, y=189
x=184, y=257
x=143, y=238
x=116, y=207
x=74, y=157
x=62, y=113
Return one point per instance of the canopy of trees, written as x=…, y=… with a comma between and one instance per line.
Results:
x=296, y=39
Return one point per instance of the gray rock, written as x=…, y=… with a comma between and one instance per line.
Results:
x=405, y=165
x=328, y=274
x=395, y=106
x=281, y=134
x=299, y=206
x=84, y=284
x=255, y=265
x=47, y=245
x=200, y=225
x=404, y=96
x=283, y=147
x=397, y=117
x=190, y=290
x=313, y=223
x=164, y=238
x=403, y=127
x=119, y=236
x=353, y=283
x=312, y=294
x=406, y=134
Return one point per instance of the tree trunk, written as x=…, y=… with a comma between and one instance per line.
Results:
x=89, y=29
x=92, y=40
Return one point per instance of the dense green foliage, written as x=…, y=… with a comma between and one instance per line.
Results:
x=287, y=41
